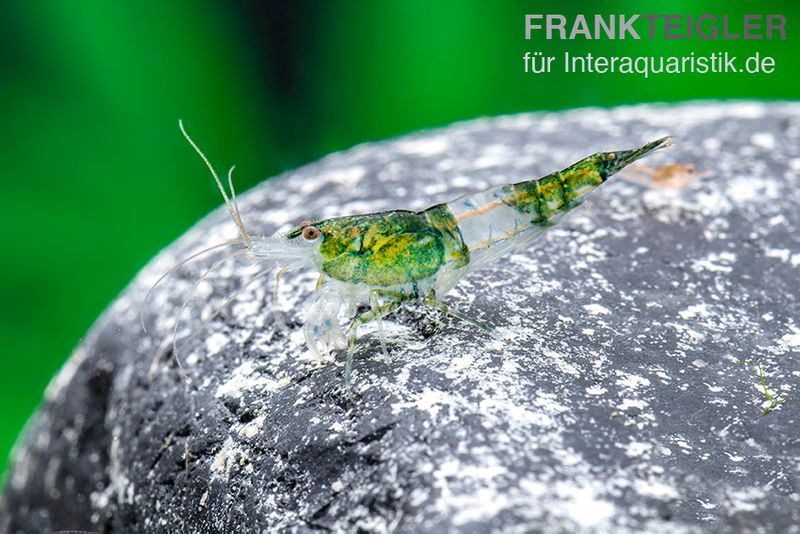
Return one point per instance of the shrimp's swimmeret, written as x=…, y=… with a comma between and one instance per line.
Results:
x=387, y=258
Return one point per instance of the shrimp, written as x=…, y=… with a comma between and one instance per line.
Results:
x=385, y=259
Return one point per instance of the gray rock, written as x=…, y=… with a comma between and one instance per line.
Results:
x=613, y=398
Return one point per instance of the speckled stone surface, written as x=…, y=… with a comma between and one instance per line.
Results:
x=612, y=397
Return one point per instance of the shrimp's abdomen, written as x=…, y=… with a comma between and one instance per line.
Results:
x=502, y=217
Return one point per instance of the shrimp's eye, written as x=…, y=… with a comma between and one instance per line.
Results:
x=310, y=233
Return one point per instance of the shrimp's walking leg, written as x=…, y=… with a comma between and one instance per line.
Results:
x=378, y=311
x=430, y=300
x=280, y=318
x=374, y=303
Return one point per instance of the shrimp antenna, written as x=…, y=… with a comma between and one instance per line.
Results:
x=197, y=282
x=214, y=313
x=232, y=206
x=179, y=265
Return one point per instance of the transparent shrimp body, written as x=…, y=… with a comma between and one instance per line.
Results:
x=388, y=258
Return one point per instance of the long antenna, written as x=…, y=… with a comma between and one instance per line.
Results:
x=233, y=208
x=176, y=267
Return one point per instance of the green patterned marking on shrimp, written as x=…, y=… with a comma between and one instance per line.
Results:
x=382, y=250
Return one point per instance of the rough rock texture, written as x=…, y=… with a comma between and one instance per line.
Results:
x=613, y=397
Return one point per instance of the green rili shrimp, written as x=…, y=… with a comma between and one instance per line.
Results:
x=385, y=259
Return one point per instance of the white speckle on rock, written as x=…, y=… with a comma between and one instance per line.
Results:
x=782, y=254
x=656, y=490
x=627, y=404
x=637, y=448
x=459, y=364
x=777, y=220
x=746, y=500
x=763, y=140
x=429, y=400
x=712, y=144
x=706, y=505
x=348, y=176
x=216, y=342
x=631, y=381
x=245, y=378
x=510, y=367
x=521, y=416
x=698, y=310
x=734, y=457
x=588, y=509
x=461, y=181
x=596, y=309
x=492, y=156
x=430, y=146
x=595, y=390
x=562, y=362
x=253, y=428
x=715, y=263
x=791, y=340
x=226, y=458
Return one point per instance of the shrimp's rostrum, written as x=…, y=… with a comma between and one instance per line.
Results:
x=387, y=258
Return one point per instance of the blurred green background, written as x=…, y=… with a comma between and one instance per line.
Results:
x=97, y=178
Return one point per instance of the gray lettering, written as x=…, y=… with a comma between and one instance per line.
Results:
x=776, y=22
x=608, y=28
x=725, y=33
x=529, y=25
x=752, y=22
x=580, y=27
x=713, y=27
x=651, y=20
x=627, y=26
x=669, y=26
x=562, y=21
